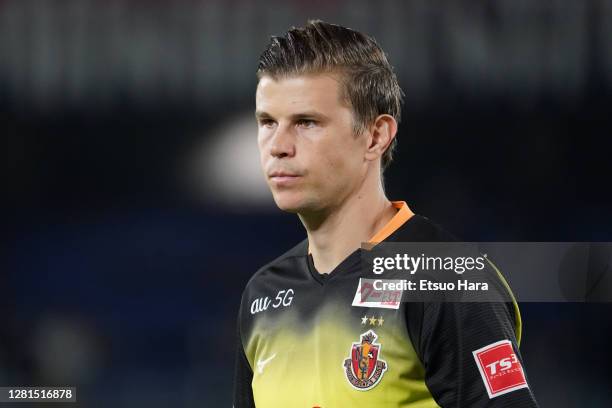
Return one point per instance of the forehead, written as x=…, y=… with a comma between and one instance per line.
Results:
x=320, y=91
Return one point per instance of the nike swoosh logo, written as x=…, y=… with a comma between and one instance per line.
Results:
x=262, y=363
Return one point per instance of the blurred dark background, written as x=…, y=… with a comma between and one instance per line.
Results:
x=134, y=212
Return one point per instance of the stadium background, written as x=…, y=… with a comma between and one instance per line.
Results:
x=134, y=211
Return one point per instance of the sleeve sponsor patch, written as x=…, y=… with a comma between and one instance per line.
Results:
x=500, y=368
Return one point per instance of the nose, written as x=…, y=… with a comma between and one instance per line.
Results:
x=283, y=143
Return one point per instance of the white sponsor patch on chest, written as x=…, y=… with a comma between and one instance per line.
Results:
x=367, y=296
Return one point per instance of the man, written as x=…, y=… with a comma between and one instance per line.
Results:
x=328, y=108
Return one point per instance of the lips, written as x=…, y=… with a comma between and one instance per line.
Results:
x=282, y=174
x=283, y=178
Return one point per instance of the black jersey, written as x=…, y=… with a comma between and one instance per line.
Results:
x=303, y=343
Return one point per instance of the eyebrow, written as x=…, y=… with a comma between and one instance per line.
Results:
x=302, y=115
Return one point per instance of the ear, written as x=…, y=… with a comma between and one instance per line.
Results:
x=380, y=136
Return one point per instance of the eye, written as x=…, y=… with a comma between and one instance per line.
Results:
x=266, y=122
x=306, y=123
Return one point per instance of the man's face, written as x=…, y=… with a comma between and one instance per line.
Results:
x=309, y=153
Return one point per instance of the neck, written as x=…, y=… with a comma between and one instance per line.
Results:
x=337, y=231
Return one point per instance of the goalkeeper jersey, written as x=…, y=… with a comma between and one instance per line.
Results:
x=303, y=341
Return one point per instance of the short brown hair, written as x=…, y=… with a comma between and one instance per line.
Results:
x=369, y=84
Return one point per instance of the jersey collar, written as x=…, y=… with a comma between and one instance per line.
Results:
x=403, y=214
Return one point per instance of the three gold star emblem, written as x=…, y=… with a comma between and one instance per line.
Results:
x=372, y=321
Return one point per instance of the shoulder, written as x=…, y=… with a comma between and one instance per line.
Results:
x=283, y=267
x=421, y=229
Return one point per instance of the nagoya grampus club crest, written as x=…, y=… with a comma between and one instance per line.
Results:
x=364, y=368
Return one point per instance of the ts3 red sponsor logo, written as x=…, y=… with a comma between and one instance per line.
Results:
x=500, y=369
x=503, y=364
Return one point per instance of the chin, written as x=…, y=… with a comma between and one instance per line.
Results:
x=288, y=206
x=290, y=203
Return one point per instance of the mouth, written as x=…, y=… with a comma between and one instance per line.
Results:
x=283, y=178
